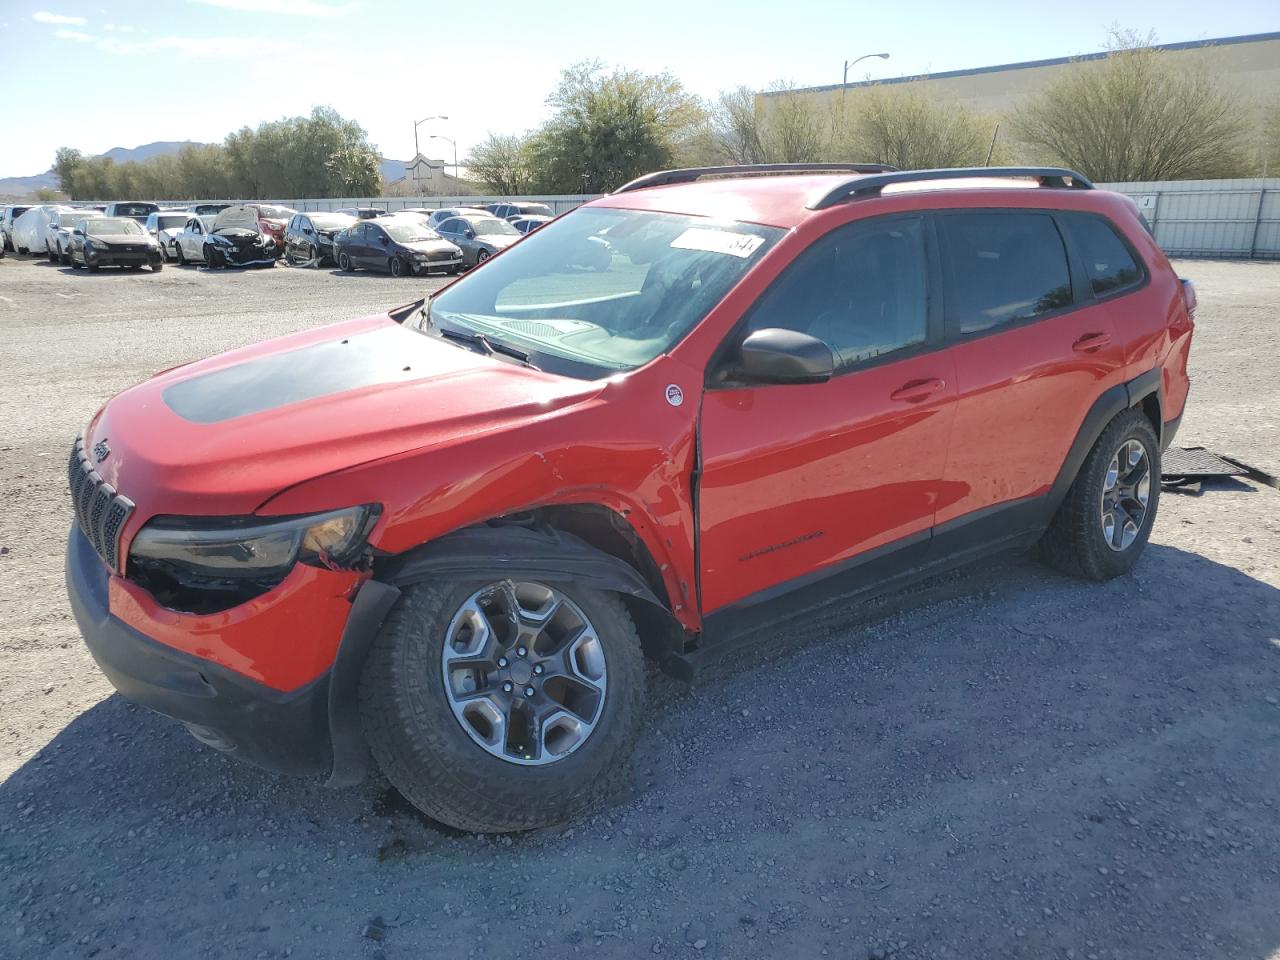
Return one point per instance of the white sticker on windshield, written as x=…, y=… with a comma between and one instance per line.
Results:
x=718, y=241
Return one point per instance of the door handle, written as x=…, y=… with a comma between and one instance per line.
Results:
x=1091, y=342
x=917, y=391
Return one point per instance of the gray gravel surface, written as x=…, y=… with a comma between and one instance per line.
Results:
x=1001, y=763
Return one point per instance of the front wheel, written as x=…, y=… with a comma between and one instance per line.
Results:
x=481, y=256
x=157, y=266
x=213, y=257
x=1104, y=522
x=179, y=256
x=503, y=705
x=396, y=266
x=344, y=263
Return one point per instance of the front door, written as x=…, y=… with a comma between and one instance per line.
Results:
x=799, y=481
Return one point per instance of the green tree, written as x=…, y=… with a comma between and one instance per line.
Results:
x=911, y=130
x=67, y=166
x=1137, y=115
x=609, y=127
x=501, y=163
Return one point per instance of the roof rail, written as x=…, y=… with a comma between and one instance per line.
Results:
x=690, y=174
x=870, y=186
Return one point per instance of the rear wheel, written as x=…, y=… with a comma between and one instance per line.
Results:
x=344, y=262
x=501, y=705
x=1104, y=522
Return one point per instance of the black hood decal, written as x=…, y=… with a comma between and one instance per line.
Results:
x=387, y=355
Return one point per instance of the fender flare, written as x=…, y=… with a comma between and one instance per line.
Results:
x=1111, y=403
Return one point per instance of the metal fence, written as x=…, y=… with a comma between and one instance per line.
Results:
x=1211, y=218
x=559, y=204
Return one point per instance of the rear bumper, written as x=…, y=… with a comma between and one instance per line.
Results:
x=311, y=730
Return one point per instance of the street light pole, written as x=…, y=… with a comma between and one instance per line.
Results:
x=416, y=151
x=454, y=143
x=844, y=85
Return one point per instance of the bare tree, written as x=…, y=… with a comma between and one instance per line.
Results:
x=1137, y=115
x=501, y=163
x=909, y=129
x=794, y=129
x=737, y=127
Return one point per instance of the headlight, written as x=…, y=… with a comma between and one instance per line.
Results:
x=98, y=244
x=249, y=548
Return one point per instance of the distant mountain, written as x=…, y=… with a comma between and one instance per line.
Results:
x=392, y=169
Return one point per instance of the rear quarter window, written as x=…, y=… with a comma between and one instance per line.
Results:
x=1109, y=264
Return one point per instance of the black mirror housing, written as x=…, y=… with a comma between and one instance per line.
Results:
x=778, y=356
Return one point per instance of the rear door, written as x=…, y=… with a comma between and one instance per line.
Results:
x=1033, y=351
x=799, y=481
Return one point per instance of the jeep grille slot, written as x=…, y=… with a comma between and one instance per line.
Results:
x=100, y=511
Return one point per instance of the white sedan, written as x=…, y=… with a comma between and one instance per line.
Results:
x=188, y=245
x=57, y=236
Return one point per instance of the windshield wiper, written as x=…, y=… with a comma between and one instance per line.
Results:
x=487, y=346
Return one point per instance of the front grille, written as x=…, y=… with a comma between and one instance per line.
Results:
x=100, y=511
x=441, y=255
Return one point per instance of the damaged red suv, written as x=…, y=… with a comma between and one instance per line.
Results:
x=445, y=537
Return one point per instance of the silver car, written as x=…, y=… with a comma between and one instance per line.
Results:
x=479, y=235
x=57, y=239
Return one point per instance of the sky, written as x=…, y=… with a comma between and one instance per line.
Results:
x=96, y=74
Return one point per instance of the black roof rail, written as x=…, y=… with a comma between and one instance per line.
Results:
x=689, y=174
x=870, y=186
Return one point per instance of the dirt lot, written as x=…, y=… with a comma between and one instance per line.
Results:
x=1004, y=763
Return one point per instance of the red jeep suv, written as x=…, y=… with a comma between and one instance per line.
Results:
x=446, y=536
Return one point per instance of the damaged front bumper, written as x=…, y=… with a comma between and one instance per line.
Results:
x=426, y=267
x=273, y=682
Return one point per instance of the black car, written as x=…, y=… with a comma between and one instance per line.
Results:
x=238, y=240
x=398, y=245
x=113, y=242
x=530, y=223
x=309, y=237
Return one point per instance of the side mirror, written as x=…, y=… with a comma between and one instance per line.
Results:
x=384, y=239
x=77, y=232
x=470, y=234
x=774, y=355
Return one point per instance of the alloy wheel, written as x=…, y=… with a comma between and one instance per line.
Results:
x=524, y=672
x=1126, y=492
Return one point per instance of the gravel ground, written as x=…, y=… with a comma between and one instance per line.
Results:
x=1000, y=763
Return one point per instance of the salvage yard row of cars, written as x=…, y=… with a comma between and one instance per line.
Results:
x=135, y=234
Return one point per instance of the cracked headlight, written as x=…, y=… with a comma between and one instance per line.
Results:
x=194, y=549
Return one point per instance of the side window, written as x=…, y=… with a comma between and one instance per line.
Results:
x=861, y=289
x=1107, y=261
x=452, y=225
x=1004, y=267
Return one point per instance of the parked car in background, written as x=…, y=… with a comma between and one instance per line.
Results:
x=273, y=220
x=239, y=239
x=207, y=209
x=398, y=245
x=511, y=209
x=30, y=229
x=57, y=241
x=11, y=213
x=363, y=213
x=309, y=237
x=479, y=235
x=133, y=209
x=165, y=227
x=446, y=213
x=113, y=242
x=191, y=239
x=530, y=223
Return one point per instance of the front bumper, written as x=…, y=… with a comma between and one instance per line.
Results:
x=421, y=267
x=313, y=729
x=117, y=258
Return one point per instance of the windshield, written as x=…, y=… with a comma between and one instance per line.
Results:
x=71, y=219
x=134, y=209
x=275, y=213
x=602, y=288
x=410, y=231
x=534, y=209
x=489, y=228
x=112, y=226
x=172, y=222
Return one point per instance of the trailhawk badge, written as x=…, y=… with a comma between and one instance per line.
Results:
x=675, y=396
x=101, y=451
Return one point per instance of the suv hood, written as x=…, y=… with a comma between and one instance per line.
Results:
x=223, y=435
x=239, y=216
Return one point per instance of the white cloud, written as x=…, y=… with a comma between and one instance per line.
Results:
x=115, y=28
x=289, y=8
x=72, y=35
x=221, y=48
x=43, y=16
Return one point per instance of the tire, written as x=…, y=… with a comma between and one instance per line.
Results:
x=344, y=263
x=51, y=253
x=65, y=257
x=213, y=258
x=157, y=267
x=424, y=750
x=91, y=267
x=396, y=266
x=481, y=256
x=1077, y=541
x=313, y=255
x=180, y=257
